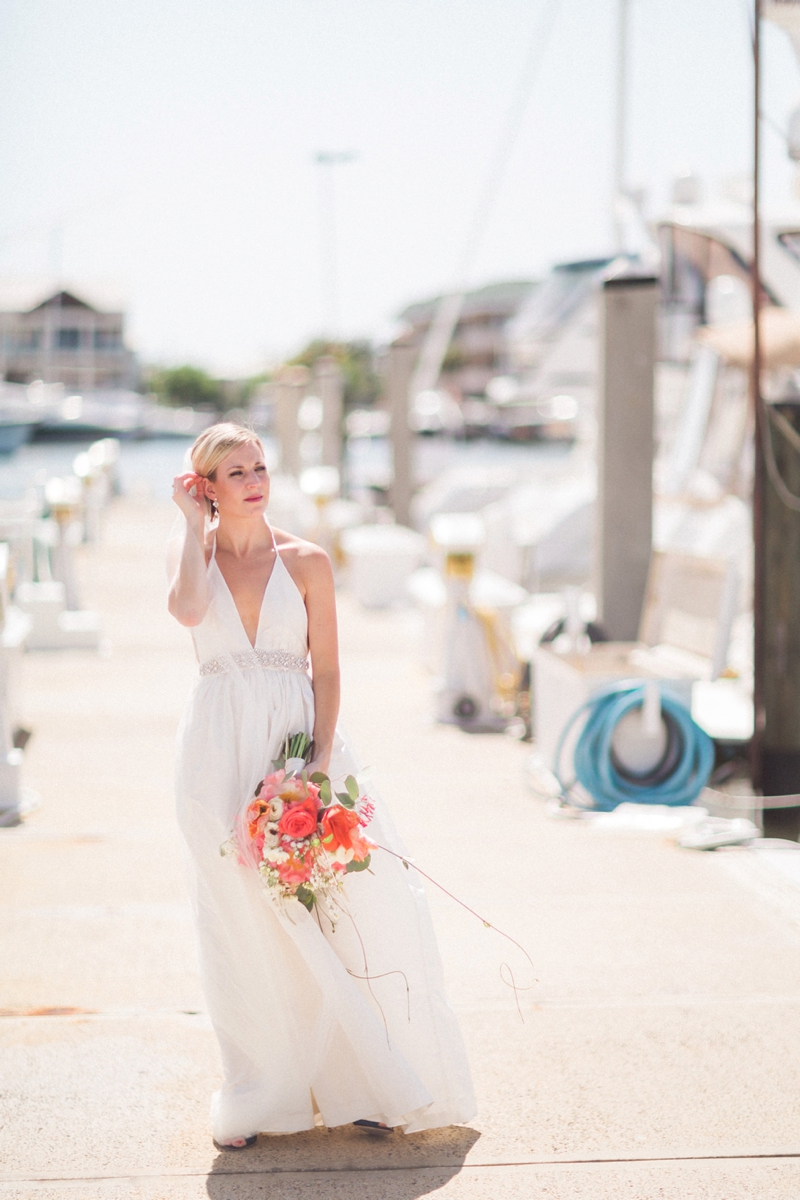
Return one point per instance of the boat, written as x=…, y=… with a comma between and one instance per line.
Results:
x=90, y=415
x=17, y=423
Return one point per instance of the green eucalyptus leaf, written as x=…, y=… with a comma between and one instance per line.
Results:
x=325, y=791
x=357, y=866
x=345, y=800
x=352, y=787
x=318, y=777
x=305, y=896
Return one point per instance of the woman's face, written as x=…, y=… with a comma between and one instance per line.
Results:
x=241, y=487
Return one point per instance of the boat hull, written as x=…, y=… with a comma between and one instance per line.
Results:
x=14, y=434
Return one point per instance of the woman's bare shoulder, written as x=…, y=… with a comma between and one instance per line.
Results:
x=300, y=554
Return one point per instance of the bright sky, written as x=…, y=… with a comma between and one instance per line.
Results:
x=172, y=143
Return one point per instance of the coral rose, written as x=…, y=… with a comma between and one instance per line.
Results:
x=340, y=830
x=337, y=827
x=299, y=820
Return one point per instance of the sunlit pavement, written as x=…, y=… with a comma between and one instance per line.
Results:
x=656, y=1055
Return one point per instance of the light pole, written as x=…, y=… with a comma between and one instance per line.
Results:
x=620, y=133
x=327, y=160
x=52, y=314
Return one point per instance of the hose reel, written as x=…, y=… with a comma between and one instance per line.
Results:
x=676, y=777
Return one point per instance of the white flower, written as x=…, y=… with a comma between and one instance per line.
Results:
x=276, y=856
x=275, y=809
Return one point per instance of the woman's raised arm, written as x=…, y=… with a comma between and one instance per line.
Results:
x=186, y=561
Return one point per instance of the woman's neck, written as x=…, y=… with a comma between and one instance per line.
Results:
x=241, y=535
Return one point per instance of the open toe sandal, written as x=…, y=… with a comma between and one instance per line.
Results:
x=248, y=1141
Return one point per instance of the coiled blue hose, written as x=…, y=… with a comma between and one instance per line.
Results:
x=678, y=779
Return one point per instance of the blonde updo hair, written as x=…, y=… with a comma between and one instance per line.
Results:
x=215, y=444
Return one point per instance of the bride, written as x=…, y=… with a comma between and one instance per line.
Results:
x=315, y=1025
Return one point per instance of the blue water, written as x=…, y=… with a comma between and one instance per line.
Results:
x=147, y=468
x=144, y=467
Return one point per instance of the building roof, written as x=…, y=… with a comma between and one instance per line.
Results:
x=30, y=295
x=63, y=300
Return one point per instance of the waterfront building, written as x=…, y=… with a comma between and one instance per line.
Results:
x=479, y=348
x=64, y=339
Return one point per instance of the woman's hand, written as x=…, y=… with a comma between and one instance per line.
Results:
x=188, y=492
x=320, y=762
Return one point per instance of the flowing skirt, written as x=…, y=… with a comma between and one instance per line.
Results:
x=301, y=1029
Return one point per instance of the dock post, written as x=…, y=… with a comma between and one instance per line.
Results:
x=400, y=367
x=625, y=453
x=778, y=713
x=330, y=389
x=289, y=390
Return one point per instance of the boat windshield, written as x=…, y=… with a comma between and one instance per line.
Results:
x=790, y=240
x=557, y=297
x=690, y=261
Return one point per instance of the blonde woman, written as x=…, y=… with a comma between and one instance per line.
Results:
x=304, y=1037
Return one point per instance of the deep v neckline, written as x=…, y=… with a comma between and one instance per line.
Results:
x=276, y=560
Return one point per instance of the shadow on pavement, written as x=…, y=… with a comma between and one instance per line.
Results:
x=299, y=1165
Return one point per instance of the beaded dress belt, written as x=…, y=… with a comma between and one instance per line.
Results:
x=272, y=660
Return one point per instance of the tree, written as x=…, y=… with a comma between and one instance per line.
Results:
x=189, y=386
x=361, y=383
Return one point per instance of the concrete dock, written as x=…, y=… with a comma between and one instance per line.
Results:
x=656, y=1055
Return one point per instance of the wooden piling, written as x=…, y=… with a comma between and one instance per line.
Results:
x=625, y=453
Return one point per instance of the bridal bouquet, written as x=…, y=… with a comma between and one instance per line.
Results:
x=300, y=835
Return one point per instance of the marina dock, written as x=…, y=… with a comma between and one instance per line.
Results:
x=657, y=1053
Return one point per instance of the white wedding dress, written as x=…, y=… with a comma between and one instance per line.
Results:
x=300, y=1030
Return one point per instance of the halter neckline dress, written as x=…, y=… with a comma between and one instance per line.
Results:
x=301, y=1032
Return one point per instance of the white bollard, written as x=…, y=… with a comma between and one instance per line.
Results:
x=97, y=470
x=14, y=629
x=468, y=691
x=58, y=622
x=65, y=501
